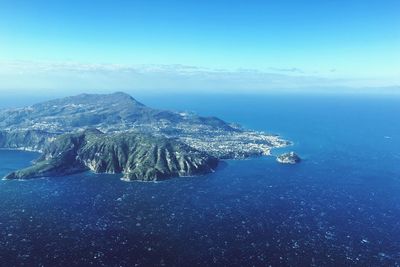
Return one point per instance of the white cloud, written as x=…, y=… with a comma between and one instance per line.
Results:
x=27, y=75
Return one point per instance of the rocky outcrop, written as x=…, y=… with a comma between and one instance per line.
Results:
x=288, y=158
x=138, y=156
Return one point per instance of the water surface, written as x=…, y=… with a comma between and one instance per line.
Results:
x=339, y=207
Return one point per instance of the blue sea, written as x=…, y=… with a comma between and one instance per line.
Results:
x=339, y=207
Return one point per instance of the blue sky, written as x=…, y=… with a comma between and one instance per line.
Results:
x=196, y=45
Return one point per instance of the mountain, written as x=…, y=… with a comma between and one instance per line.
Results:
x=137, y=156
x=109, y=112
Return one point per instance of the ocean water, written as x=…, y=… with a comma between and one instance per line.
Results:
x=339, y=207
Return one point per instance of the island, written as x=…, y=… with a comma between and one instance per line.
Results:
x=288, y=158
x=114, y=133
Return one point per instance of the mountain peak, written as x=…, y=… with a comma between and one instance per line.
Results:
x=113, y=97
x=120, y=93
x=122, y=96
x=116, y=101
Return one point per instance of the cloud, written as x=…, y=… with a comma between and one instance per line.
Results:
x=27, y=75
x=288, y=70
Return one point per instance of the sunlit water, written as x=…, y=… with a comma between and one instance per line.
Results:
x=339, y=207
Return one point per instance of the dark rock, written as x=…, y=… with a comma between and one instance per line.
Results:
x=288, y=158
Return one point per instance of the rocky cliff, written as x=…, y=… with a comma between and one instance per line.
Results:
x=138, y=156
x=34, y=140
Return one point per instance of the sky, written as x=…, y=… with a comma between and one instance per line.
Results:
x=208, y=45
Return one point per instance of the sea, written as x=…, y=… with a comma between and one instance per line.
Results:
x=339, y=207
